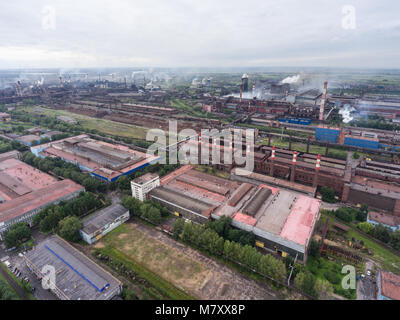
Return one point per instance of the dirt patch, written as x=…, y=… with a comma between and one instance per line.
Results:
x=185, y=267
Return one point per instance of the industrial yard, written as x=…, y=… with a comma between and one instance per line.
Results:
x=183, y=267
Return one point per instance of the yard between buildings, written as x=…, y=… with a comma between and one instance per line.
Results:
x=176, y=270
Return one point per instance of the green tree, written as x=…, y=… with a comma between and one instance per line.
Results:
x=16, y=234
x=328, y=194
x=179, y=225
x=366, y=227
x=305, y=281
x=69, y=228
x=124, y=183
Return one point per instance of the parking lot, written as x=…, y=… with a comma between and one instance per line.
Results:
x=366, y=287
x=16, y=261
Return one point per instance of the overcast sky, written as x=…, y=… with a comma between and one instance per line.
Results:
x=174, y=33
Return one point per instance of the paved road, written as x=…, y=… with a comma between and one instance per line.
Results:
x=366, y=287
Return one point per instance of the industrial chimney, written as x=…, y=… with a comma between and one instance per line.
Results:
x=323, y=101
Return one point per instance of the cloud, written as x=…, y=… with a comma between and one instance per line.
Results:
x=133, y=33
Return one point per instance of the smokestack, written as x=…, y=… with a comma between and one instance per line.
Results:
x=317, y=166
x=61, y=82
x=272, y=161
x=294, y=161
x=323, y=101
x=254, y=90
x=273, y=153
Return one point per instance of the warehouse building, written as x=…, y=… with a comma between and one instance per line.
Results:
x=76, y=276
x=388, y=285
x=28, y=140
x=11, y=155
x=99, y=224
x=282, y=221
x=25, y=191
x=103, y=160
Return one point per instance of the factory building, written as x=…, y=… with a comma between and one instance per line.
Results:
x=103, y=160
x=25, y=191
x=10, y=155
x=76, y=276
x=310, y=97
x=282, y=221
x=143, y=185
x=99, y=224
x=388, y=285
x=28, y=140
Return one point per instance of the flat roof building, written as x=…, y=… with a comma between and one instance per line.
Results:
x=283, y=221
x=25, y=191
x=99, y=224
x=388, y=286
x=28, y=140
x=14, y=154
x=143, y=185
x=76, y=276
x=103, y=160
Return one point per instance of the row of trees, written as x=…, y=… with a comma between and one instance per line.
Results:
x=246, y=255
x=6, y=293
x=17, y=234
x=67, y=170
x=350, y=214
x=6, y=146
x=64, y=217
x=223, y=227
x=148, y=210
x=382, y=233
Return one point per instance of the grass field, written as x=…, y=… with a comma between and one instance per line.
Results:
x=19, y=283
x=8, y=285
x=166, y=268
x=105, y=126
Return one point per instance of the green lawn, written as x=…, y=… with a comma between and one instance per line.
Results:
x=8, y=285
x=14, y=277
x=330, y=271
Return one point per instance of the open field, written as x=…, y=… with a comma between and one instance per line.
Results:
x=179, y=266
x=105, y=126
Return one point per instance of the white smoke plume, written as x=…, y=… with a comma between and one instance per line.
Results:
x=345, y=112
x=293, y=79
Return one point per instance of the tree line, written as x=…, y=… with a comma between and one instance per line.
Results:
x=63, y=218
x=208, y=239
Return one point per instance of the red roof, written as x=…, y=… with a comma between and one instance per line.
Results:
x=300, y=222
x=37, y=199
x=244, y=218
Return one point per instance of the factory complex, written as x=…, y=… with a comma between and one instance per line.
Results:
x=76, y=276
x=103, y=160
x=282, y=221
x=25, y=191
